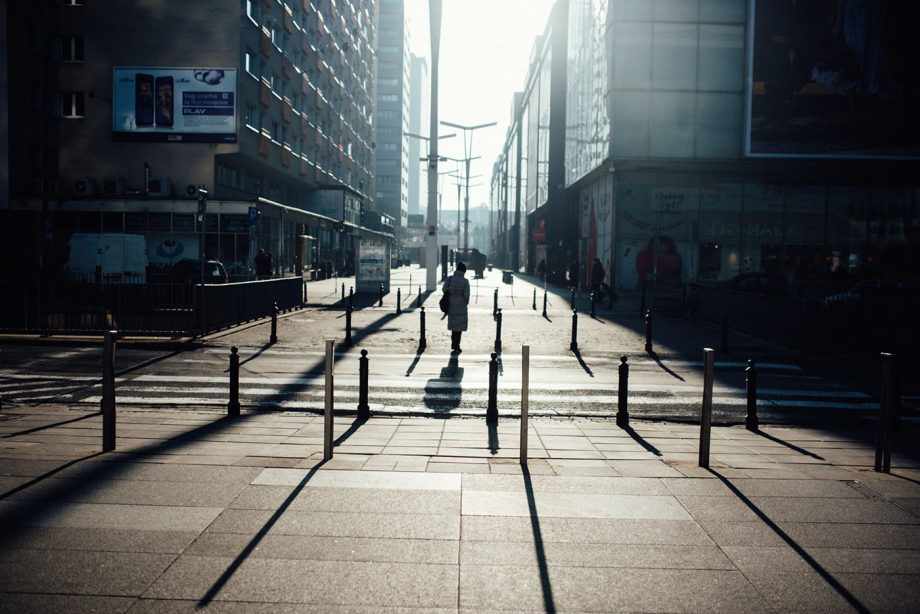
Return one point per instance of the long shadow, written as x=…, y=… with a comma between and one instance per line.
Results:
x=418, y=356
x=254, y=542
x=253, y=356
x=49, y=426
x=789, y=445
x=549, y=604
x=837, y=586
x=582, y=362
x=493, y=438
x=664, y=366
x=48, y=474
x=638, y=439
x=435, y=398
x=355, y=426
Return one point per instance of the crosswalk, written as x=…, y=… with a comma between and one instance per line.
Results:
x=409, y=384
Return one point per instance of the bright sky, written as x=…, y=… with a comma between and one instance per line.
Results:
x=484, y=54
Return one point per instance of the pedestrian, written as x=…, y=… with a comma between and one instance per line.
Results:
x=263, y=265
x=457, y=287
x=541, y=269
x=597, y=278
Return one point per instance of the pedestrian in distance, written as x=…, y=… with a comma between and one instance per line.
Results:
x=457, y=288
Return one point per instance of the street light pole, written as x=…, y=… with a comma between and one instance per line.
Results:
x=467, y=150
x=431, y=244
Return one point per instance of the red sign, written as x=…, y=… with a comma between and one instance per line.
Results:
x=539, y=232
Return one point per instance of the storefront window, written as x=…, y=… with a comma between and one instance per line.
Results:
x=762, y=234
x=720, y=231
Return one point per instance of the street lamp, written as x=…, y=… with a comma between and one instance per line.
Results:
x=202, y=208
x=467, y=150
x=431, y=243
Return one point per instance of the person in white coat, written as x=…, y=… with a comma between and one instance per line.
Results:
x=457, y=287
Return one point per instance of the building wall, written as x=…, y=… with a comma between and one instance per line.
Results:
x=419, y=120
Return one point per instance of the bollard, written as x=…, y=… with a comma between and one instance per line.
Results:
x=544, y=303
x=648, y=331
x=495, y=302
x=351, y=296
x=706, y=411
x=419, y=299
x=492, y=409
x=642, y=308
x=572, y=300
x=343, y=293
x=593, y=300
x=422, y=342
x=364, y=410
x=623, y=393
x=573, y=346
x=724, y=347
x=233, y=407
x=348, y=311
x=534, y=299
x=525, y=399
x=398, y=301
x=273, y=338
x=498, y=331
x=750, y=381
x=885, y=416
x=380, y=304
x=410, y=285
x=108, y=391
x=327, y=412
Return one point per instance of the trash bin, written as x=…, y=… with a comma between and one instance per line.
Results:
x=507, y=278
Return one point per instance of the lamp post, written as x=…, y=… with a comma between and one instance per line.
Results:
x=202, y=209
x=467, y=150
x=431, y=243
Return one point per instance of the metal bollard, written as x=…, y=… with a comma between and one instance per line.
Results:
x=351, y=296
x=750, y=381
x=273, y=338
x=534, y=299
x=492, y=409
x=885, y=416
x=623, y=393
x=328, y=400
x=648, y=331
x=419, y=299
x=525, y=400
x=544, y=303
x=422, y=342
x=233, y=407
x=572, y=300
x=573, y=346
x=398, y=301
x=706, y=411
x=348, y=311
x=495, y=302
x=724, y=347
x=380, y=304
x=642, y=308
x=364, y=410
x=498, y=331
x=108, y=391
x=343, y=293
x=593, y=300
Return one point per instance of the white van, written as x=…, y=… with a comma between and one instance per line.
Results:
x=107, y=258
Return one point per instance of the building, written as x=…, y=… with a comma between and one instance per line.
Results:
x=122, y=111
x=696, y=140
x=419, y=120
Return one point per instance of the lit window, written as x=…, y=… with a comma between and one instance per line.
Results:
x=252, y=9
x=251, y=63
x=72, y=104
x=72, y=49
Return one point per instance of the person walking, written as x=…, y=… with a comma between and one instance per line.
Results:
x=457, y=287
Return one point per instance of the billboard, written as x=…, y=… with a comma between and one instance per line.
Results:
x=174, y=104
x=833, y=79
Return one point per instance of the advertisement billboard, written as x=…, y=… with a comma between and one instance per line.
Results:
x=174, y=104
x=833, y=79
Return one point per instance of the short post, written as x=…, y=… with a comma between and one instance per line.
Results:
x=544, y=303
x=108, y=391
x=419, y=298
x=724, y=347
x=422, y=342
x=525, y=394
x=495, y=302
x=364, y=410
x=273, y=338
x=623, y=393
x=498, y=331
x=572, y=300
x=706, y=412
x=410, y=285
x=534, y=299
x=885, y=416
x=642, y=309
x=348, y=311
x=593, y=300
x=398, y=301
x=648, y=331
x=492, y=409
x=233, y=407
x=380, y=303
x=573, y=346
x=327, y=414
x=750, y=382
x=343, y=293
x=351, y=296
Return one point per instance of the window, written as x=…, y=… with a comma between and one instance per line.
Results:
x=228, y=176
x=72, y=49
x=72, y=2
x=251, y=63
x=72, y=104
x=252, y=10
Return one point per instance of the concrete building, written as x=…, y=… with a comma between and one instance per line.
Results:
x=121, y=111
x=695, y=140
x=419, y=120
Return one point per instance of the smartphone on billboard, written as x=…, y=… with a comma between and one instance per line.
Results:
x=143, y=99
x=164, y=101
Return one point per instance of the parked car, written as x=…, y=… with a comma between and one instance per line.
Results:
x=867, y=289
x=189, y=271
x=758, y=283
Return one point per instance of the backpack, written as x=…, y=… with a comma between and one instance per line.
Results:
x=445, y=300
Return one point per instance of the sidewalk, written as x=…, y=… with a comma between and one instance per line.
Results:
x=200, y=512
